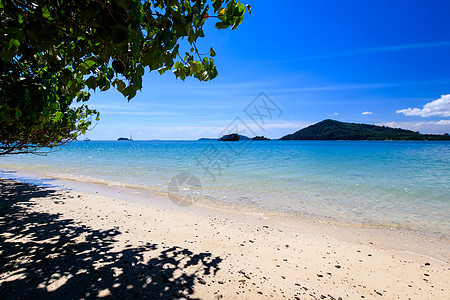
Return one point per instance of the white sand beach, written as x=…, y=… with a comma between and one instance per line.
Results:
x=98, y=242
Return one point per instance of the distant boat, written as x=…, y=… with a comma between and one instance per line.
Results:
x=86, y=140
x=234, y=137
x=131, y=137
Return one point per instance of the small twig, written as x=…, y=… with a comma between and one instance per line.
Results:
x=196, y=50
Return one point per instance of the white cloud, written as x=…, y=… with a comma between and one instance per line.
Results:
x=335, y=114
x=436, y=127
x=366, y=113
x=439, y=107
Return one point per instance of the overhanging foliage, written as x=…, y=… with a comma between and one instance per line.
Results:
x=53, y=52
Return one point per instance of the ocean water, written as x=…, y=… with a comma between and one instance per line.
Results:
x=404, y=184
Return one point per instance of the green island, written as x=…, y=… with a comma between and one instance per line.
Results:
x=335, y=130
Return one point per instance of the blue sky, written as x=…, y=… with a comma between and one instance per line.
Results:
x=377, y=62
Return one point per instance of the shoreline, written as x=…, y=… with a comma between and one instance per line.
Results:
x=388, y=236
x=141, y=194
x=233, y=255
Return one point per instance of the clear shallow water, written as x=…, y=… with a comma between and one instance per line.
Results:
x=404, y=184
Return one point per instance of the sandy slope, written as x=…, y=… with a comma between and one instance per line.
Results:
x=72, y=244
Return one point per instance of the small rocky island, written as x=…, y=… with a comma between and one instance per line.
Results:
x=233, y=137
x=260, y=138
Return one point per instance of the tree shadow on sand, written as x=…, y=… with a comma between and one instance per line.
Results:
x=43, y=255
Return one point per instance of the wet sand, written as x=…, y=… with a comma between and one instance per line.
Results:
x=86, y=243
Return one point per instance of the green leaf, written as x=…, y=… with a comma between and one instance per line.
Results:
x=147, y=60
x=91, y=82
x=212, y=52
x=222, y=15
x=105, y=87
x=110, y=74
x=241, y=9
x=46, y=13
x=86, y=65
x=129, y=92
x=7, y=55
x=58, y=116
x=217, y=4
x=237, y=22
x=14, y=43
x=119, y=66
x=140, y=70
x=120, y=85
x=89, y=62
x=221, y=25
x=193, y=67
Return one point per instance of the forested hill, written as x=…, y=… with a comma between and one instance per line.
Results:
x=335, y=130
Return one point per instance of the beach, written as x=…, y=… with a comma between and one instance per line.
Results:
x=75, y=240
x=148, y=150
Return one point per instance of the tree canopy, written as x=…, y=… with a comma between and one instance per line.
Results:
x=53, y=53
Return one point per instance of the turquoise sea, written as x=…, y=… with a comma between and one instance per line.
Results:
x=402, y=184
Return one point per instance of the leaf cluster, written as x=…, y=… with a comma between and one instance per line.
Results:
x=53, y=53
